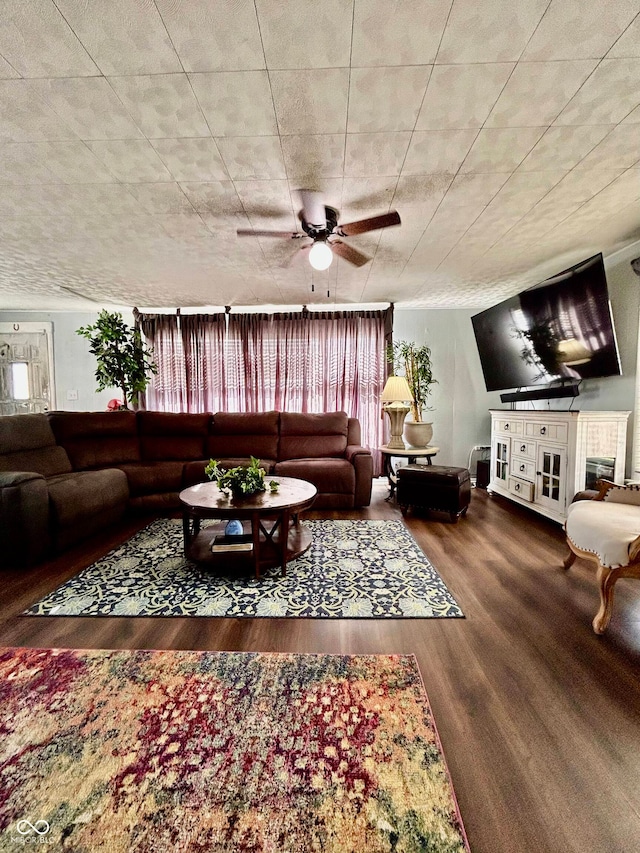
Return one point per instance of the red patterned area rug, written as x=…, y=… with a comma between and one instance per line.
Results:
x=220, y=751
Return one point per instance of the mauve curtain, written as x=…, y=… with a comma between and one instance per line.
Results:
x=203, y=342
x=167, y=390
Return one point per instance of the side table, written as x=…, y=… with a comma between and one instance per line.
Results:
x=410, y=454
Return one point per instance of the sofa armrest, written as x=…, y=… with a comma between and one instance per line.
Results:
x=362, y=461
x=356, y=450
x=24, y=518
x=617, y=494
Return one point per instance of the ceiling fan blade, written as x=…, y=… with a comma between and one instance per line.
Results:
x=313, y=208
x=251, y=232
x=359, y=259
x=371, y=224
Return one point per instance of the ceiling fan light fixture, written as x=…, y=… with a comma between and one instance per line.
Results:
x=320, y=255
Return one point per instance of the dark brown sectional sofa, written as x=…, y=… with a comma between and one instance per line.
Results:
x=65, y=475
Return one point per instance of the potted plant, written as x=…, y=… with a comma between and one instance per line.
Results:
x=415, y=362
x=124, y=360
x=242, y=481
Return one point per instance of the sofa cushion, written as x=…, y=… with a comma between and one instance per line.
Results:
x=27, y=443
x=304, y=436
x=168, y=435
x=97, y=439
x=149, y=477
x=243, y=434
x=327, y=475
x=86, y=494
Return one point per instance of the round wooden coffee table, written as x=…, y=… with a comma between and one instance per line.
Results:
x=274, y=534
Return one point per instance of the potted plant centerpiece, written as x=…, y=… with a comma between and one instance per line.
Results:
x=242, y=481
x=415, y=362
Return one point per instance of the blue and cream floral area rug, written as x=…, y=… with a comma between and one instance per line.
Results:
x=353, y=569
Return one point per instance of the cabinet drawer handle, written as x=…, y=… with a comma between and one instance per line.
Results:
x=522, y=467
x=523, y=447
x=506, y=427
x=543, y=430
x=517, y=487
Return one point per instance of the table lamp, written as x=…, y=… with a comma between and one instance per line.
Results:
x=396, y=394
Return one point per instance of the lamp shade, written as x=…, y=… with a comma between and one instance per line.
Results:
x=396, y=389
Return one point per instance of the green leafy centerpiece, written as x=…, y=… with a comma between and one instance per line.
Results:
x=242, y=481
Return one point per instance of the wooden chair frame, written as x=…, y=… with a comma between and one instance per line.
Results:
x=607, y=577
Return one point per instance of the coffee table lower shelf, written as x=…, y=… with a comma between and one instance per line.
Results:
x=269, y=556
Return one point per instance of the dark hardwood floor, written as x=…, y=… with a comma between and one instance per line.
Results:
x=539, y=717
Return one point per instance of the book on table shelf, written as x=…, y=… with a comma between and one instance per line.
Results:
x=233, y=543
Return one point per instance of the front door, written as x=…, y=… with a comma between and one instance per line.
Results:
x=26, y=368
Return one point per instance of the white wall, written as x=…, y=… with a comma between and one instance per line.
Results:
x=74, y=366
x=460, y=402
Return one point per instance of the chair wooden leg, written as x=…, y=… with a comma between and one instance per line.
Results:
x=569, y=559
x=606, y=581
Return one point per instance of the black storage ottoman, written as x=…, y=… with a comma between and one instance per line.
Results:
x=438, y=487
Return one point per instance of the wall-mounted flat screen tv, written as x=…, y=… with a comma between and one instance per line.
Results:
x=560, y=329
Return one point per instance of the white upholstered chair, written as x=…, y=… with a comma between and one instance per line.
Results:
x=606, y=530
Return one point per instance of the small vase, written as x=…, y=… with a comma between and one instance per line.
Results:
x=233, y=528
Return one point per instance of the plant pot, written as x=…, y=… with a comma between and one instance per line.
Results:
x=418, y=434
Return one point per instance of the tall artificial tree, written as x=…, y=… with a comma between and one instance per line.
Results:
x=124, y=360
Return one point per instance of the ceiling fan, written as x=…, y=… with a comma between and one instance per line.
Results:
x=320, y=223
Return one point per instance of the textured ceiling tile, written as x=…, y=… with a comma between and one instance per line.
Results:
x=537, y=91
x=305, y=35
x=131, y=160
x=492, y=31
x=579, y=30
x=191, y=159
x=6, y=70
x=474, y=190
x=88, y=106
x=309, y=158
x=628, y=45
x=619, y=150
x=375, y=154
x=611, y=92
x=202, y=31
x=162, y=105
x=237, y=103
x=252, y=158
x=160, y=198
x=580, y=186
x=501, y=149
x=216, y=198
x=305, y=107
x=22, y=163
x=383, y=99
x=38, y=42
x=73, y=163
x=104, y=199
x=633, y=117
x=365, y=197
x=563, y=147
x=524, y=189
x=24, y=117
x=267, y=204
x=122, y=36
x=417, y=198
x=434, y=151
x=461, y=96
x=406, y=33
